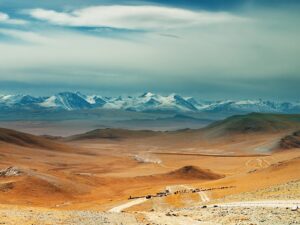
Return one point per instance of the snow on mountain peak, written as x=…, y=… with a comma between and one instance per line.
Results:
x=49, y=102
x=148, y=95
x=146, y=102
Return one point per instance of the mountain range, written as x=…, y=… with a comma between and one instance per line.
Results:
x=147, y=102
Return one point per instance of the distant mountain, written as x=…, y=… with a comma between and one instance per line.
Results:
x=252, y=106
x=110, y=133
x=253, y=123
x=147, y=102
x=66, y=100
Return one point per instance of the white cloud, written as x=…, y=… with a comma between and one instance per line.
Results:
x=4, y=18
x=133, y=17
x=27, y=36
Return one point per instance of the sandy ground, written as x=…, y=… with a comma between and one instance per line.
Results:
x=90, y=181
x=280, y=213
x=241, y=215
x=12, y=215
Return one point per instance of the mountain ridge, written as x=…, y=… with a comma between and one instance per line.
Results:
x=147, y=102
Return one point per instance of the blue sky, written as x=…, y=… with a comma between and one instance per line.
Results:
x=211, y=49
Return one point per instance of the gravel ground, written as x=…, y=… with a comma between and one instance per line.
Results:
x=228, y=215
x=195, y=216
x=243, y=216
x=287, y=191
x=16, y=216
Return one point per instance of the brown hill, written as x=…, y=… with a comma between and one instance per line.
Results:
x=253, y=123
x=39, y=188
x=27, y=140
x=290, y=141
x=239, y=124
x=193, y=172
x=110, y=133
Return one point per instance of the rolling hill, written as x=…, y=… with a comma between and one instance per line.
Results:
x=8, y=136
x=253, y=123
x=290, y=141
x=110, y=133
x=193, y=172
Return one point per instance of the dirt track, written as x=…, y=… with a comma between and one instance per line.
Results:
x=126, y=205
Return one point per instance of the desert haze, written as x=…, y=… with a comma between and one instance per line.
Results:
x=241, y=170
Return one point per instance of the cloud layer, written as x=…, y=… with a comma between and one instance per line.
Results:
x=251, y=51
x=4, y=18
x=132, y=17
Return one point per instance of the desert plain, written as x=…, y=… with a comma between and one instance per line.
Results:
x=241, y=170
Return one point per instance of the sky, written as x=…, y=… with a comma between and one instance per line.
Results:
x=210, y=49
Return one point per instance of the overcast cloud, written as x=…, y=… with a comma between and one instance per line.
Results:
x=211, y=51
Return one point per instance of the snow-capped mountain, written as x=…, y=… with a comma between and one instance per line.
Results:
x=251, y=106
x=154, y=102
x=143, y=103
x=19, y=101
x=66, y=100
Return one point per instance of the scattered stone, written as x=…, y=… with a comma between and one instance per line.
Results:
x=148, y=196
x=294, y=208
x=11, y=171
x=168, y=214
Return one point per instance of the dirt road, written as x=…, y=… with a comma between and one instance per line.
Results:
x=204, y=197
x=126, y=205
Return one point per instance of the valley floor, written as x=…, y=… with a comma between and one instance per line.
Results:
x=108, y=181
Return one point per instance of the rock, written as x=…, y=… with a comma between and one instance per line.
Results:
x=294, y=208
x=11, y=172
